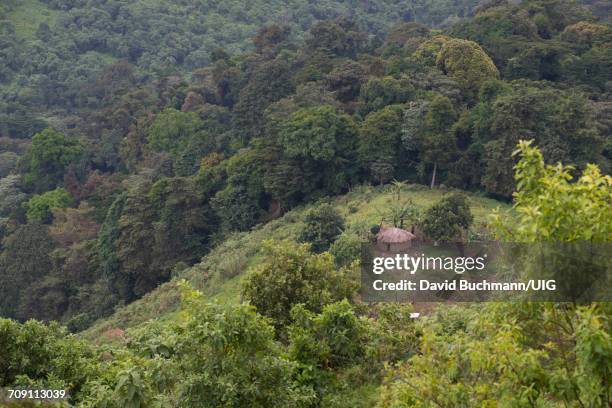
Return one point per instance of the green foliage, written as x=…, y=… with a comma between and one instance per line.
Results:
x=323, y=225
x=340, y=340
x=24, y=261
x=51, y=153
x=181, y=142
x=240, y=204
x=427, y=129
x=160, y=225
x=220, y=273
x=184, y=136
x=269, y=82
x=11, y=194
x=40, y=206
x=76, y=42
x=172, y=130
x=39, y=355
x=8, y=163
x=537, y=62
x=506, y=354
x=590, y=68
x=107, y=245
x=346, y=249
x=562, y=124
x=318, y=133
x=445, y=220
x=290, y=274
x=394, y=334
x=313, y=155
x=180, y=214
x=341, y=38
x=336, y=337
x=467, y=63
x=593, y=351
x=228, y=352
x=238, y=209
x=427, y=52
x=470, y=372
x=546, y=193
x=380, y=143
x=503, y=28
x=345, y=80
x=538, y=354
x=378, y=93
x=401, y=214
x=209, y=356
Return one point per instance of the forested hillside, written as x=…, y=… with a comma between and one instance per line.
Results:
x=58, y=55
x=310, y=342
x=250, y=148
x=99, y=210
x=221, y=272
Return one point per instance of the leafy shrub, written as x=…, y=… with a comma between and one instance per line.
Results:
x=50, y=155
x=334, y=338
x=444, y=220
x=43, y=355
x=395, y=336
x=323, y=225
x=211, y=356
x=346, y=249
x=290, y=274
x=40, y=207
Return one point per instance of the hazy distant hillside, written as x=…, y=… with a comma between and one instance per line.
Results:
x=53, y=48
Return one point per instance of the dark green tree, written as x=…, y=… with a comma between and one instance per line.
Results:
x=318, y=134
x=467, y=63
x=25, y=259
x=378, y=93
x=345, y=80
x=445, y=220
x=51, y=153
x=54, y=358
x=427, y=132
x=110, y=264
x=334, y=338
x=40, y=206
x=380, y=145
x=315, y=153
x=290, y=274
x=340, y=37
x=323, y=225
x=269, y=82
x=241, y=204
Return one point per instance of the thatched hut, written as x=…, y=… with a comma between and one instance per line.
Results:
x=394, y=239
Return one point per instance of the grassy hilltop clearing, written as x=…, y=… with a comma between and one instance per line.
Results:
x=219, y=274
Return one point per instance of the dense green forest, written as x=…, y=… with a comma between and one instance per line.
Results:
x=58, y=55
x=185, y=186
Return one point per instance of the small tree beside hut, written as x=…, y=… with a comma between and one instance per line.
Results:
x=445, y=220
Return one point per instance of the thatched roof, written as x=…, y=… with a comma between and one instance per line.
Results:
x=394, y=235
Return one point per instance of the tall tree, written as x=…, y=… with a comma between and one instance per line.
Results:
x=51, y=153
x=380, y=148
x=25, y=259
x=446, y=219
x=433, y=136
x=467, y=63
